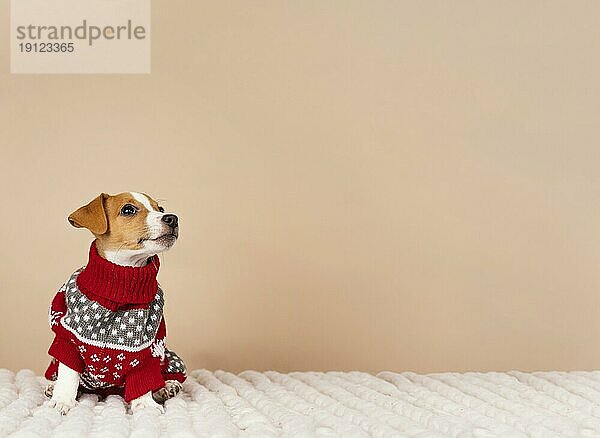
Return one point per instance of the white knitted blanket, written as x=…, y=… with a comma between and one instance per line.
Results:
x=355, y=404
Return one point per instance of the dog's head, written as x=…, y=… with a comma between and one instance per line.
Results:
x=129, y=227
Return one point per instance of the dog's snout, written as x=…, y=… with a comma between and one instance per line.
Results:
x=170, y=219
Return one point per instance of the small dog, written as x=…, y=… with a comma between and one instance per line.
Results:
x=107, y=318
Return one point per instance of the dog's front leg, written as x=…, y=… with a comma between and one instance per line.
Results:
x=65, y=389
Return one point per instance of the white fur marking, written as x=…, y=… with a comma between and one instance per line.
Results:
x=128, y=257
x=142, y=199
x=154, y=218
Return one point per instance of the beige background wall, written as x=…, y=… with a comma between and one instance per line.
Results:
x=361, y=185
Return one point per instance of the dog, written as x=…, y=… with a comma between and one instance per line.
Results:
x=107, y=318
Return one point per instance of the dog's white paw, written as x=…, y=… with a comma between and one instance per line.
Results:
x=61, y=406
x=145, y=402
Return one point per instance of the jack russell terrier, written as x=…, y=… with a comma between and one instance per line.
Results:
x=108, y=317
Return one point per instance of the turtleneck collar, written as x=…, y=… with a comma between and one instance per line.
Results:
x=113, y=285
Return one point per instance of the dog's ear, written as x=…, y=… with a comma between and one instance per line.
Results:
x=91, y=216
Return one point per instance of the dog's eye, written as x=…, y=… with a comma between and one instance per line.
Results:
x=162, y=210
x=128, y=210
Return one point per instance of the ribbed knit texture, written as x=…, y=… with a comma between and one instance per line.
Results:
x=108, y=282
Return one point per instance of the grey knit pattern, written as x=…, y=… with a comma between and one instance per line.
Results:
x=175, y=364
x=129, y=330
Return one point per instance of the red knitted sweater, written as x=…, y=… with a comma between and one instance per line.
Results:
x=109, y=327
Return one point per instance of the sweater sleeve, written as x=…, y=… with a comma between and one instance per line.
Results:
x=62, y=348
x=173, y=367
x=143, y=378
x=148, y=375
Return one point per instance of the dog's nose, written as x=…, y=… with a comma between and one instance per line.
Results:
x=170, y=219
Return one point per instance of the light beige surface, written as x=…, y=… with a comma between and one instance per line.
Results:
x=361, y=185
